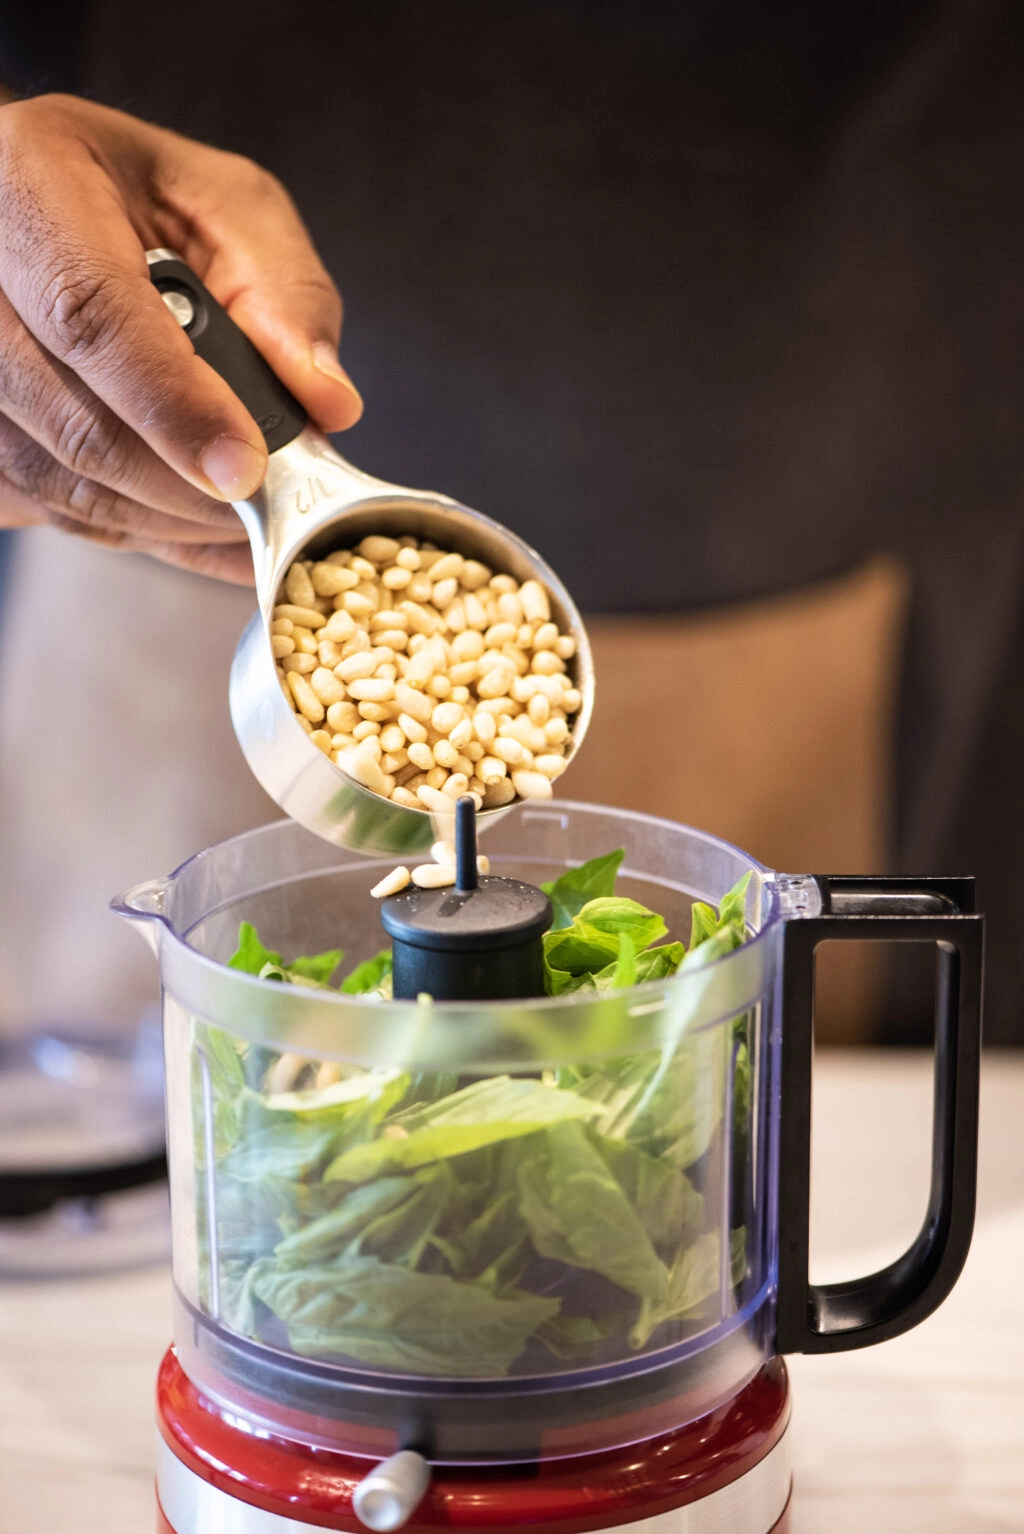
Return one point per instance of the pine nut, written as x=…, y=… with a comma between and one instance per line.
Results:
x=531, y=785
x=360, y=765
x=421, y=754
x=461, y=732
x=556, y=731
x=394, y=761
x=491, y=769
x=379, y=712
x=484, y=726
x=322, y=740
x=358, y=604
x=539, y=709
x=443, y=852
x=456, y=785
x=404, y=796
x=396, y=880
x=304, y=617
x=281, y=645
x=534, y=601
x=421, y=619
x=365, y=728
x=500, y=792
x=445, y=754
x=408, y=558
x=494, y=684
x=550, y=764
x=281, y=626
x=474, y=575
x=476, y=612
x=395, y=578
x=378, y=549
x=298, y=587
x=439, y=686
x=433, y=799
x=342, y=717
x=524, y=731
x=446, y=716
x=306, y=700
x=328, y=580
x=547, y=663
x=305, y=665
x=449, y=565
x=393, y=738
x=433, y=876
x=473, y=751
x=437, y=777
x=340, y=627
x=327, y=687
x=469, y=645
x=395, y=639
x=357, y=667
x=419, y=588
x=372, y=690
x=571, y=700
x=444, y=591
x=546, y=637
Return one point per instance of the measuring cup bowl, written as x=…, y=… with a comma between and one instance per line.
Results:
x=313, y=501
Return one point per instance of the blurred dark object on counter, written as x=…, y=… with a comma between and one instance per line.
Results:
x=709, y=301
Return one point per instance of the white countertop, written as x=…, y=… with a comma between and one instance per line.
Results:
x=922, y=1435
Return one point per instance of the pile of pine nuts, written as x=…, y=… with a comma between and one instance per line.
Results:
x=425, y=676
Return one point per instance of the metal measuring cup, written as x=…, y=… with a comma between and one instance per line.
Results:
x=311, y=502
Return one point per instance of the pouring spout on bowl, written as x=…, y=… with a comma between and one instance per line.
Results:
x=145, y=907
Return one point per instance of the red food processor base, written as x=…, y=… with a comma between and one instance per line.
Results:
x=726, y=1473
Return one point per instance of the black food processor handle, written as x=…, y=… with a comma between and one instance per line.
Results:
x=218, y=340
x=831, y=1318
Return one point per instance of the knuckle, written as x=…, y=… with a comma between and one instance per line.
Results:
x=92, y=443
x=89, y=503
x=84, y=319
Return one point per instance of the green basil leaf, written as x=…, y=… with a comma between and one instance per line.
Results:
x=578, y=1214
x=498, y=1108
x=668, y=1205
x=570, y=892
x=250, y=955
x=693, y=1280
x=394, y=1318
x=368, y=975
x=332, y=1232
x=658, y=963
x=618, y=916
x=317, y=967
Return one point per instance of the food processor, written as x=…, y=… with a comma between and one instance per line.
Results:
x=455, y=1252
x=525, y=1260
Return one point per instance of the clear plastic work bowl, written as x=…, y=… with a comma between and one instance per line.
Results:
x=531, y=1227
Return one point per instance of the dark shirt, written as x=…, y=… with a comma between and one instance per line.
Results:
x=704, y=300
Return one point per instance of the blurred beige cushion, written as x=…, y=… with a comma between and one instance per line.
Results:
x=769, y=724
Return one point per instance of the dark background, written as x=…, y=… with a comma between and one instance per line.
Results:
x=706, y=300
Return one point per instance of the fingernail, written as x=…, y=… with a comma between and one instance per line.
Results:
x=233, y=468
x=325, y=360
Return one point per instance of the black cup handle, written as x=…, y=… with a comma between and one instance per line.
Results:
x=218, y=340
x=831, y=1318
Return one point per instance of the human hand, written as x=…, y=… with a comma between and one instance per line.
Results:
x=110, y=426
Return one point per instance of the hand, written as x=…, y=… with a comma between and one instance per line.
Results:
x=110, y=426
